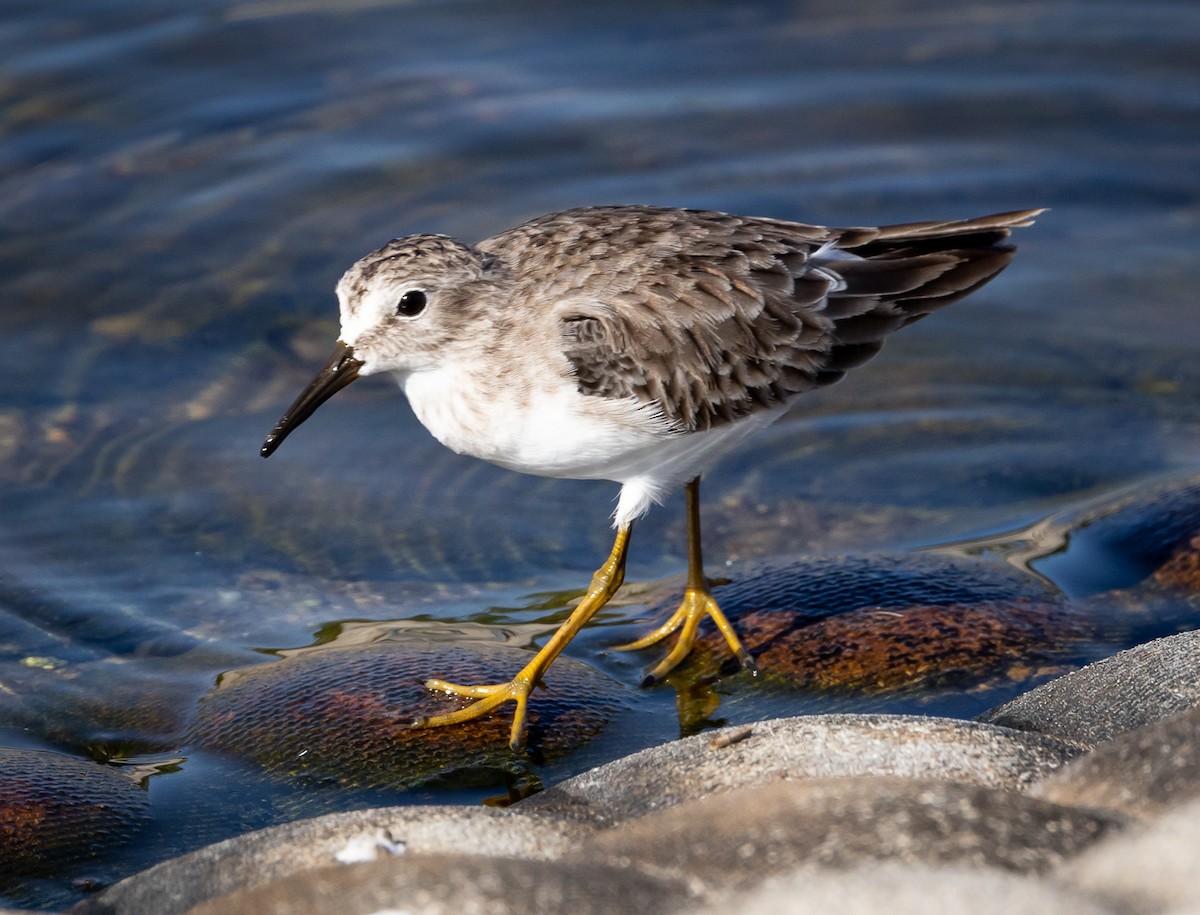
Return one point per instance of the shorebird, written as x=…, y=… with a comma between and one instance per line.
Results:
x=634, y=344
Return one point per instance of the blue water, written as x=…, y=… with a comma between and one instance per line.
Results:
x=181, y=187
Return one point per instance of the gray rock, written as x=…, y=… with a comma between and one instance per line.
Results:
x=1100, y=701
x=455, y=885
x=817, y=746
x=735, y=840
x=282, y=852
x=901, y=890
x=1147, y=869
x=1142, y=773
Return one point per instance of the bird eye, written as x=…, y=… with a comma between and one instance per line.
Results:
x=412, y=303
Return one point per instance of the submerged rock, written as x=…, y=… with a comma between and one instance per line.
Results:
x=344, y=715
x=57, y=810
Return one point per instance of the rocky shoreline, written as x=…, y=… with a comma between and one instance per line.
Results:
x=1080, y=796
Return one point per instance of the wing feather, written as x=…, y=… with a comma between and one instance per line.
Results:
x=706, y=318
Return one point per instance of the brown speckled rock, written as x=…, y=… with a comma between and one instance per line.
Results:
x=56, y=809
x=344, y=714
x=1152, y=531
x=877, y=650
x=816, y=746
x=884, y=623
x=1182, y=571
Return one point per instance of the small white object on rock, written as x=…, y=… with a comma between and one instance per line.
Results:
x=366, y=847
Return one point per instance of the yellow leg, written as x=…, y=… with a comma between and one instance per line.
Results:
x=605, y=582
x=698, y=602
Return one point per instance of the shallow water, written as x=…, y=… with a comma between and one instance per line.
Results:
x=181, y=189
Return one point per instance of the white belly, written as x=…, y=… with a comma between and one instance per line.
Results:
x=558, y=432
x=552, y=431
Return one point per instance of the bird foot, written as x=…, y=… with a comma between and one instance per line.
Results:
x=605, y=583
x=487, y=698
x=697, y=603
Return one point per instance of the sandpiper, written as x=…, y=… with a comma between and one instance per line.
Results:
x=634, y=344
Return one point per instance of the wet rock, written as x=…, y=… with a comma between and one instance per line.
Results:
x=344, y=715
x=1144, y=870
x=736, y=840
x=102, y=705
x=1132, y=688
x=1150, y=532
x=453, y=885
x=1181, y=571
x=814, y=587
x=818, y=746
x=57, y=810
x=914, y=890
x=281, y=853
x=879, y=651
x=1141, y=773
x=882, y=623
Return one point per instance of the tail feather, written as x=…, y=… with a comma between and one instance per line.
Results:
x=891, y=276
x=899, y=274
x=996, y=224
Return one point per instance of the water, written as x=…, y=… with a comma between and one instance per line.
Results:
x=180, y=189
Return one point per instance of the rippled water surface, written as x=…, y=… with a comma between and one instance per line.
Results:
x=181, y=185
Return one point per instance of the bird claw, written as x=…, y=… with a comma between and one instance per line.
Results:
x=697, y=603
x=487, y=697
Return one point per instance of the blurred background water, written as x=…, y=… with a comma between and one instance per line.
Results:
x=181, y=185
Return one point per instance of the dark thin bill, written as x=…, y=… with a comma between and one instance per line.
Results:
x=341, y=369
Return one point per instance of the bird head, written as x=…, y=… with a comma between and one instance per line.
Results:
x=404, y=308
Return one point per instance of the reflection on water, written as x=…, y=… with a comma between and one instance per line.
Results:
x=181, y=188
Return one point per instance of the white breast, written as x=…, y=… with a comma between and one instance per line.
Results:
x=550, y=431
x=554, y=431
